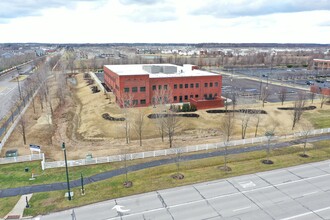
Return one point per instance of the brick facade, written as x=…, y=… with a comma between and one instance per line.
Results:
x=204, y=91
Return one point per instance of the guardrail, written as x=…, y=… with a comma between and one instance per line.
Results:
x=24, y=158
x=165, y=152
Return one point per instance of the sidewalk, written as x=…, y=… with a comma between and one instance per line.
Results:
x=17, y=211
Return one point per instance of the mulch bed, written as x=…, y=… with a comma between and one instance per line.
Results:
x=108, y=117
x=248, y=111
x=188, y=115
x=311, y=107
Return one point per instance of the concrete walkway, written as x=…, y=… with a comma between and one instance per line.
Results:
x=17, y=211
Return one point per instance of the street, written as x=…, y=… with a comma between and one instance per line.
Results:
x=299, y=192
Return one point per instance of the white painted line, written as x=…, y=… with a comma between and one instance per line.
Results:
x=306, y=194
x=306, y=213
x=240, y=209
x=247, y=184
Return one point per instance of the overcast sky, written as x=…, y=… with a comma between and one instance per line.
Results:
x=165, y=21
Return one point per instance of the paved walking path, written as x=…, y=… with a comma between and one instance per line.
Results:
x=109, y=174
x=17, y=211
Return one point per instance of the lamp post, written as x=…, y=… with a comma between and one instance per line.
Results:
x=269, y=135
x=67, y=172
x=82, y=184
x=19, y=88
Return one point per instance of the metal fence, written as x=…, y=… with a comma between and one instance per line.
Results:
x=165, y=152
x=25, y=158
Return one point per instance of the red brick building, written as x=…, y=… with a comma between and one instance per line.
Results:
x=186, y=83
x=321, y=64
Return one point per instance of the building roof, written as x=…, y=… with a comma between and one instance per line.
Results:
x=158, y=70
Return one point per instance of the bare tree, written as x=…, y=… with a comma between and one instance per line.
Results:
x=264, y=95
x=312, y=96
x=270, y=133
x=124, y=158
x=139, y=124
x=22, y=126
x=306, y=130
x=177, y=156
x=172, y=123
x=126, y=102
x=298, y=108
x=282, y=95
x=323, y=99
x=226, y=130
x=244, y=117
x=161, y=98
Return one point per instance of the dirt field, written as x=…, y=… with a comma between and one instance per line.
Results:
x=80, y=125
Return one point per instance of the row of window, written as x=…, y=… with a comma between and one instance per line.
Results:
x=160, y=87
x=136, y=102
x=206, y=96
x=196, y=85
x=135, y=89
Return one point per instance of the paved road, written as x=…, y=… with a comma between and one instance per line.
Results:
x=106, y=175
x=300, y=192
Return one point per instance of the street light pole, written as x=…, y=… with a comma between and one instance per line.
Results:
x=19, y=88
x=67, y=172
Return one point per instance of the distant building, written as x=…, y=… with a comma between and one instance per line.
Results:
x=186, y=84
x=321, y=64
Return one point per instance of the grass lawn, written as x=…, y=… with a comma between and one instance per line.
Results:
x=7, y=204
x=159, y=177
x=319, y=118
x=13, y=175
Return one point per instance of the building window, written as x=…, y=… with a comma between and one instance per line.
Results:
x=185, y=97
x=142, y=101
x=205, y=96
x=135, y=102
x=215, y=94
x=126, y=89
x=192, y=85
x=134, y=89
x=159, y=87
x=181, y=86
x=142, y=89
x=216, y=84
x=210, y=96
x=211, y=84
x=191, y=96
x=154, y=87
x=196, y=96
x=180, y=98
x=197, y=85
x=175, y=86
x=186, y=85
x=205, y=84
x=165, y=87
x=175, y=98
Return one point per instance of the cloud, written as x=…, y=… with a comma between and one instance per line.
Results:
x=241, y=8
x=18, y=8
x=140, y=2
x=153, y=14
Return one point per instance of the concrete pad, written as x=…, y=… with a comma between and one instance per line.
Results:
x=321, y=182
x=325, y=166
x=315, y=201
x=196, y=210
x=255, y=214
x=324, y=213
x=140, y=203
x=159, y=215
x=213, y=189
x=306, y=171
x=285, y=209
x=278, y=176
x=99, y=210
x=298, y=189
x=248, y=182
x=233, y=205
x=180, y=195
x=267, y=197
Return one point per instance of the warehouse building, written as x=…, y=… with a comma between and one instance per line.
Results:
x=183, y=83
